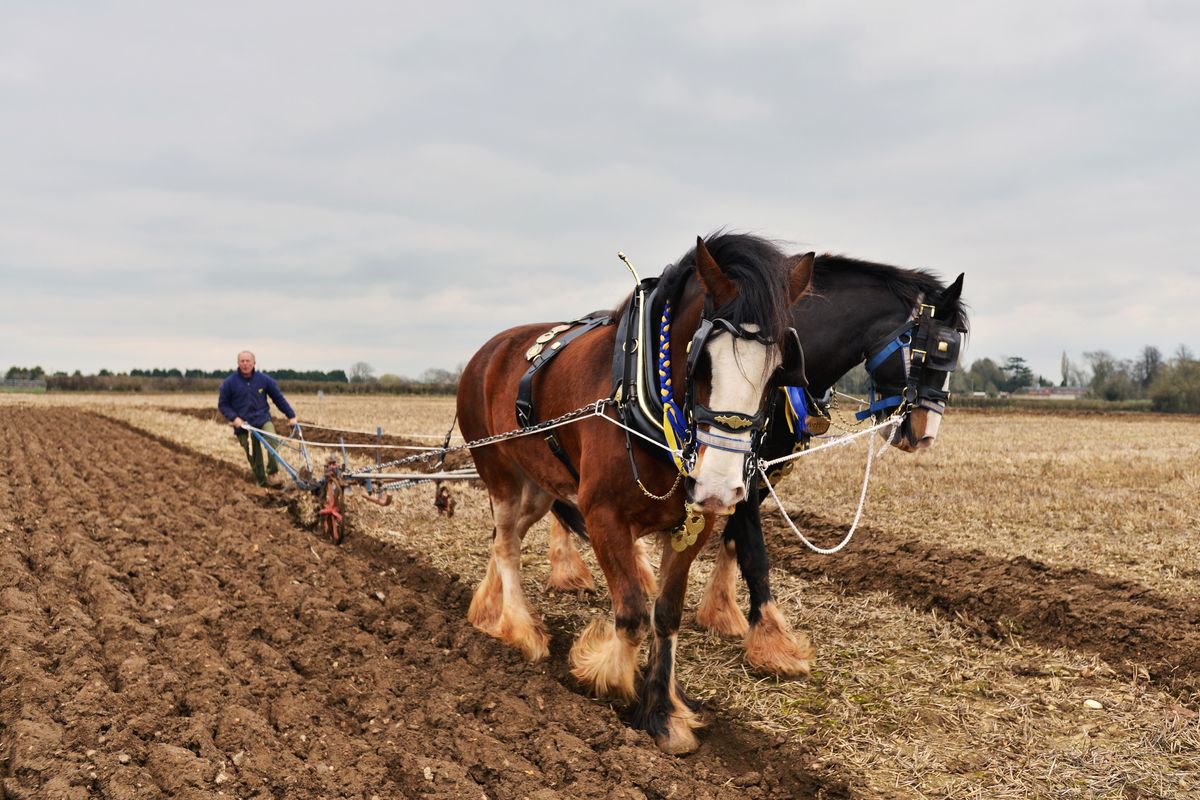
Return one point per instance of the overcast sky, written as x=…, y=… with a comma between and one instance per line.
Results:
x=395, y=182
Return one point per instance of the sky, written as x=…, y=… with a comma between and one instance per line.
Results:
x=330, y=183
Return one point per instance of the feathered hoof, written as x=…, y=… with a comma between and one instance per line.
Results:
x=772, y=647
x=721, y=615
x=604, y=662
x=568, y=576
x=527, y=634
x=487, y=604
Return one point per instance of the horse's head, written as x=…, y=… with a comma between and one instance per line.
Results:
x=740, y=338
x=910, y=371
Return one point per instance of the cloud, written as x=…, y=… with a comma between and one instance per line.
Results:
x=329, y=184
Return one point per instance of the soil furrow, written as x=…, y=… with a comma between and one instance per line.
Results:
x=1124, y=622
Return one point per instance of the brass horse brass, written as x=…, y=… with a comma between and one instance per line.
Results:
x=732, y=421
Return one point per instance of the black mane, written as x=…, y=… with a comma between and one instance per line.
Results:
x=910, y=285
x=755, y=264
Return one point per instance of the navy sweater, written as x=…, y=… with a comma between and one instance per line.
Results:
x=247, y=398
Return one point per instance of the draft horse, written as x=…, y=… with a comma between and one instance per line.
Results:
x=721, y=318
x=907, y=327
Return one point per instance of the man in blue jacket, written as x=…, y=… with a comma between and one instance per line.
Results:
x=243, y=400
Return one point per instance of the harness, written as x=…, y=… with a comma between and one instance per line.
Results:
x=543, y=351
x=642, y=382
x=923, y=344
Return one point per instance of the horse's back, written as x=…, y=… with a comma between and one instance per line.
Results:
x=486, y=378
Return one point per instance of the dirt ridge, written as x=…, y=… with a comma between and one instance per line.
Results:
x=1123, y=621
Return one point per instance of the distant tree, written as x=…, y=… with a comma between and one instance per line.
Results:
x=388, y=379
x=1111, y=379
x=987, y=376
x=338, y=375
x=361, y=372
x=1017, y=374
x=1147, y=366
x=1066, y=370
x=103, y=373
x=1177, y=387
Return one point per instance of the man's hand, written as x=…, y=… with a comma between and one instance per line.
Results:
x=237, y=422
x=292, y=422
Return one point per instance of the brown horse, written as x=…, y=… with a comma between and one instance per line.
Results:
x=721, y=313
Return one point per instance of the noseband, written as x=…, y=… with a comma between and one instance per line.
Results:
x=924, y=345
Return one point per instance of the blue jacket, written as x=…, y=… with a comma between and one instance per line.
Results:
x=247, y=398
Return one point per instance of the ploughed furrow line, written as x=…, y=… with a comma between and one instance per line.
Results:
x=1121, y=621
x=168, y=633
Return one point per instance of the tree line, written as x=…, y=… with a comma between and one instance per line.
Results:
x=360, y=378
x=1170, y=384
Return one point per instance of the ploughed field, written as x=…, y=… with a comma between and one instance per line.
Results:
x=1017, y=617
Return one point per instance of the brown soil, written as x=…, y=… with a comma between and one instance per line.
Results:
x=167, y=631
x=1121, y=621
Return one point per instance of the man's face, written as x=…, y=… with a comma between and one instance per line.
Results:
x=246, y=363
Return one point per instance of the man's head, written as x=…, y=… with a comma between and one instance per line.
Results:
x=246, y=363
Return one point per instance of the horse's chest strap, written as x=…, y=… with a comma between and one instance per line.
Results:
x=543, y=351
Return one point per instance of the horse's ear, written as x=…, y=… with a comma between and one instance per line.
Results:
x=712, y=278
x=800, y=276
x=949, y=296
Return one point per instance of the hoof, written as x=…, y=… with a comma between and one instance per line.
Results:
x=772, y=647
x=567, y=578
x=721, y=615
x=680, y=737
x=604, y=662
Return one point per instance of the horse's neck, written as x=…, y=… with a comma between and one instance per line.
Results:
x=839, y=324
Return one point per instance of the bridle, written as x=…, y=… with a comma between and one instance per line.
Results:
x=681, y=427
x=927, y=349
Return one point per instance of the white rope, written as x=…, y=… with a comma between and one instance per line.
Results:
x=840, y=441
x=862, y=495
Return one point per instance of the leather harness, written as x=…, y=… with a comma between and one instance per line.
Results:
x=547, y=346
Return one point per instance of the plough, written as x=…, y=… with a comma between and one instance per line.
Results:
x=338, y=477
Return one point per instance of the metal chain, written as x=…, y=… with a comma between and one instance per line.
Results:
x=595, y=408
x=671, y=491
x=840, y=422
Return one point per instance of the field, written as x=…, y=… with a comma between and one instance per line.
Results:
x=1016, y=618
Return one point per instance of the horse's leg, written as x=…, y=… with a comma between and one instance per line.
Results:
x=718, y=610
x=645, y=565
x=499, y=606
x=568, y=573
x=605, y=655
x=770, y=644
x=664, y=710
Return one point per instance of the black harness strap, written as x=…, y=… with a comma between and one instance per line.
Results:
x=526, y=415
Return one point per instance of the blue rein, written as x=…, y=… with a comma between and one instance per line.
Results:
x=901, y=341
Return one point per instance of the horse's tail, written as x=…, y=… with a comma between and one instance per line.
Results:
x=570, y=518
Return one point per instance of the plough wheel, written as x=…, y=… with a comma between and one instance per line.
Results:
x=333, y=511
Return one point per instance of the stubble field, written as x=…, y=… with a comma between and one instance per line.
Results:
x=1015, y=618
